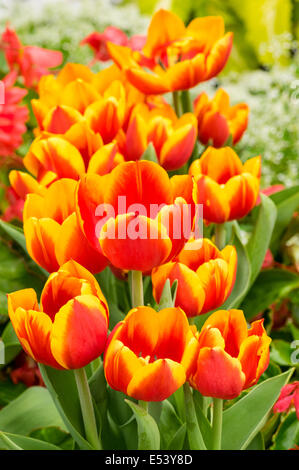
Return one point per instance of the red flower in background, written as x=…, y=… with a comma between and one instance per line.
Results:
x=289, y=396
x=98, y=42
x=32, y=62
x=12, y=116
x=26, y=371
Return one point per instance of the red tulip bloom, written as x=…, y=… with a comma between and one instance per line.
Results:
x=98, y=42
x=69, y=329
x=289, y=396
x=230, y=357
x=32, y=62
x=13, y=116
x=148, y=353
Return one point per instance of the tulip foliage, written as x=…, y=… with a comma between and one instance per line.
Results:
x=149, y=236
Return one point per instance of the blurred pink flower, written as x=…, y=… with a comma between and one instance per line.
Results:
x=289, y=396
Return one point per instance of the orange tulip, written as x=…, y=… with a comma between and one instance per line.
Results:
x=217, y=120
x=175, y=57
x=148, y=353
x=205, y=276
x=172, y=138
x=225, y=187
x=69, y=330
x=230, y=357
x=53, y=235
x=126, y=213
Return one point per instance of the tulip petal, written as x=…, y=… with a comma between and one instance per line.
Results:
x=41, y=237
x=156, y=381
x=79, y=332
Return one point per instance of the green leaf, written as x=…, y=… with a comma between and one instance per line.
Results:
x=281, y=352
x=31, y=410
x=150, y=154
x=287, y=435
x=16, y=442
x=257, y=443
x=54, y=436
x=15, y=233
x=10, y=391
x=123, y=417
x=169, y=425
x=261, y=235
x=168, y=294
x=270, y=286
x=148, y=431
x=287, y=201
x=243, y=420
x=63, y=389
x=243, y=272
x=11, y=344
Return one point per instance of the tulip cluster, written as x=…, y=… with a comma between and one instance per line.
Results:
x=95, y=199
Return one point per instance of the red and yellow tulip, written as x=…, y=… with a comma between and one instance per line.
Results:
x=69, y=329
x=205, y=276
x=175, y=57
x=123, y=214
x=148, y=353
x=53, y=235
x=230, y=357
x=225, y=187
x=217, y=120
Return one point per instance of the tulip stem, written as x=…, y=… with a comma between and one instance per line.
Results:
x=220, y=236
x=176, y=103
x=186, y=101
x=217, y=423
x=195, y=438
x=143, y=404
x=87, y=409
x=136, y=288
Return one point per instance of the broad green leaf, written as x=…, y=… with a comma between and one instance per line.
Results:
x=261, y=235
x=31, y=410
x=287, y=435
x=17, y=442
x=243, y=420
x=281, y=352
x=203, y=422
x=148, y=431
x=168, y=295
x=243, y=275
x=122, y=417
x=270, y=286
x=257, y=443
x=287, y=201
x=55, y=436
x=169, y=425
x=63, y=389
x=178, y=439
x=15, y=233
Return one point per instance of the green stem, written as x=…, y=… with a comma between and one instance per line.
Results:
x=176, y=103
x=186, y=101
x=87, y=409
x=195, y=439
x=217, y=423
x=137, y=288
x=220, y=236
x=143, y=404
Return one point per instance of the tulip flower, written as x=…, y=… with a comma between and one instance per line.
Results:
x=230, y=357
x=33, y=62
x=131, y=215
x=217, y=120
x=13, y=116
x=69, y=329
x=225, y=187
x=148, y=353
x=205, y=276
x=289, y=396
x=98, y=41
x=173, y=138
x=52, y=232
x=175, y=57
